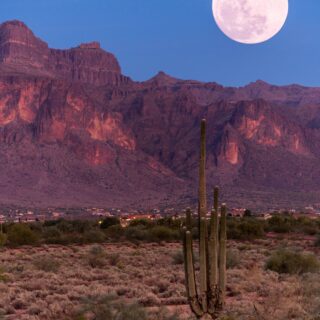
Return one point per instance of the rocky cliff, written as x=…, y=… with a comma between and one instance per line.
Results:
x=74, y=131
x=23, y=52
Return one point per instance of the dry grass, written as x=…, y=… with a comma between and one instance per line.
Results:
x=50, y=282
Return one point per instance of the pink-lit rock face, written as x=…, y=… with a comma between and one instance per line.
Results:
x=265, y=127
x=27, y=105
x=7, y=115
x=108, y=128
x=232, y=153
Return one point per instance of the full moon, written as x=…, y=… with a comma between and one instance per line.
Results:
x=250, y=21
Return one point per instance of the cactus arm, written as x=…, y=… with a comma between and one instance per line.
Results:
x=190, y=276
x=188, y=219
x=222, y=255
x=213, y=259
x=203, y=264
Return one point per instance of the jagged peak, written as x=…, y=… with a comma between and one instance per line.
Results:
x=259, y=83
x=163, y=78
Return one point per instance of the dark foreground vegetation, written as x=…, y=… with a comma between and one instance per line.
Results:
x=66, y=232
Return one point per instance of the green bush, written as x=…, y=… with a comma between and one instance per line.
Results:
x=114, y=232
x=96, y=257
x=245, y=229
x=141, y=222
x=21, y=234
x=280, y=224
x=162, y=233
x=136, y=233
x=285, y=261
x=52, y=235
x=94, y=236
x=109, y=222
x=286, y=224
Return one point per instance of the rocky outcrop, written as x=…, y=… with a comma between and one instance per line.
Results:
x=22, y=51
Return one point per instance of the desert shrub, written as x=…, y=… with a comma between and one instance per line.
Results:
x=172, y=223
x=141, y=222
x=36, y=227
x=285, y=261
x=162, y=233
x=134, y=233
x=94, y=236
x=21, y=234
x=114, y=232
x=233, y=259
x=96, y=250
x=178, y=257
x=70, y=226
x=3, y=276
x=72, y=238
x=245, y=229
x=64, y=226
x=46, y=264
x=163, y=314
x=96, y=261
x=131, y=312
x=286, y=224
x=3, y=239
x=52, y=235
x=96, y=257
x=102, y=308
x=280, y=224
x=81, y=226
x=114, y=259
x=109, y=222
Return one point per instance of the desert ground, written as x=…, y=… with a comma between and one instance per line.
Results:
x=68, y=282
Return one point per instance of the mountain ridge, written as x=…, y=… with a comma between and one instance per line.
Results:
x=75, y=131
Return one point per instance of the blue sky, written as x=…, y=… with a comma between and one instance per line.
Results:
x=179, y=37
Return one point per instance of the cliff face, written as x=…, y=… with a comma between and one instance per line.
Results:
x=21, y=51
x=74, y=131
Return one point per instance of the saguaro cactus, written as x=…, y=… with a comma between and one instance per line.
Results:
x=208, y=301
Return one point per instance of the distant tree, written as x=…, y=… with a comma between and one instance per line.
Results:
x=21, y=234
x=109, y=222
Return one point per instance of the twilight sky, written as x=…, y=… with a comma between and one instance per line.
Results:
x=179, y=37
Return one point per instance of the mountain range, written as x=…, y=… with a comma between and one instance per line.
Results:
x=75, y=131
